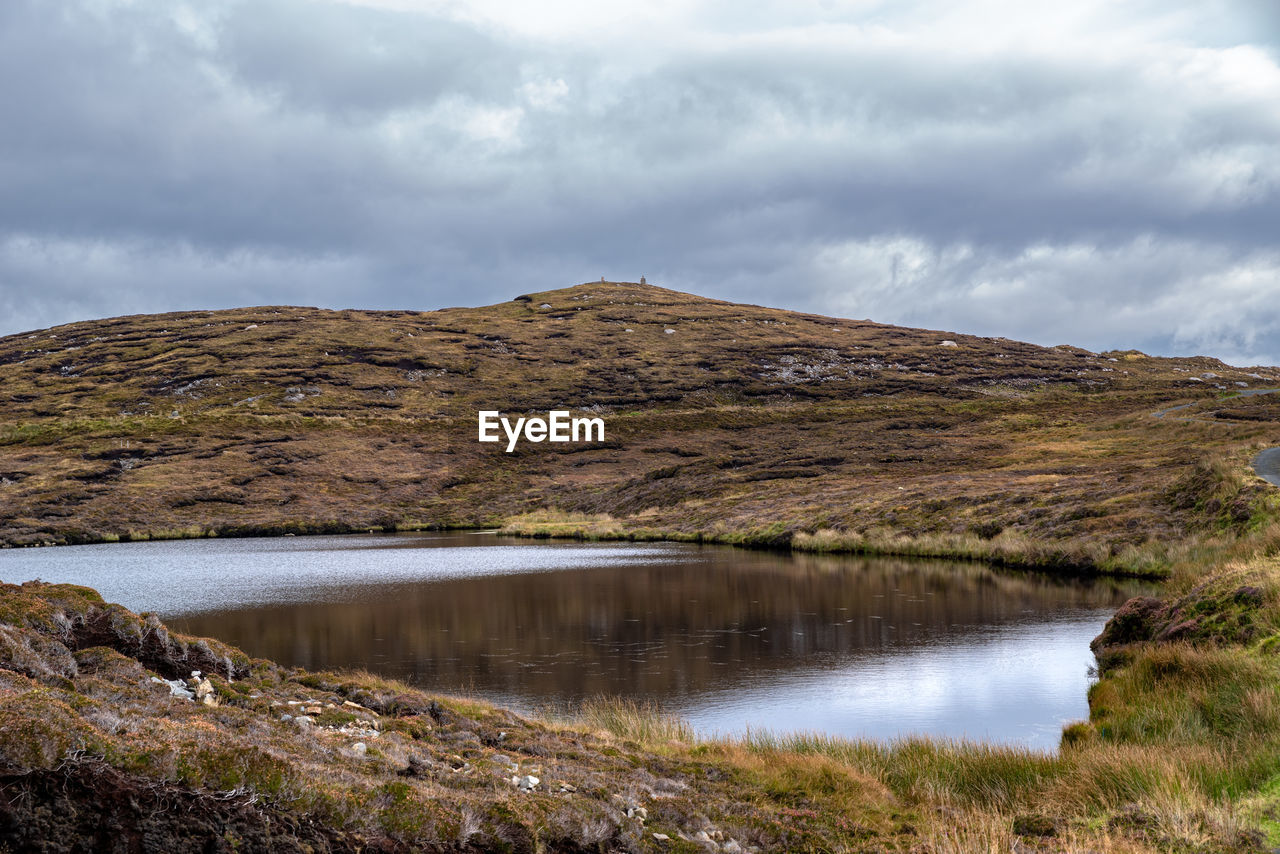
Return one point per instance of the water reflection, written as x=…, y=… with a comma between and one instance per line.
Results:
x=730, y=638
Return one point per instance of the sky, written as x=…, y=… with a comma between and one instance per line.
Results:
x=1104, y=174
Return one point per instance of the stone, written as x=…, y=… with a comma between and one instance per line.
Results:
x=209, y=700
x=359, y=748
x=304, y=721
x=177, y=688
x=527, y=783
x=702, y=836
x=661, y=837
x=948, y=344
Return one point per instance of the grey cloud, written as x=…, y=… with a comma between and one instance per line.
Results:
x=169, y=155
x=352, y=63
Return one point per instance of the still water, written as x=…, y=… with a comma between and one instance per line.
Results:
x=730, y=639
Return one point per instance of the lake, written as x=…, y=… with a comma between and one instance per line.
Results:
x=730, y=639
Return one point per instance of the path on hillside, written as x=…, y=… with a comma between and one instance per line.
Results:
x=1267, y=463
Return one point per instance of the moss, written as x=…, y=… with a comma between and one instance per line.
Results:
x=38, y=729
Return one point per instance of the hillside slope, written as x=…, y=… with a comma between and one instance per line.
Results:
x=722, y=420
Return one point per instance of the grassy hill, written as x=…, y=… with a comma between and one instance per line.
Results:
x=724, y=421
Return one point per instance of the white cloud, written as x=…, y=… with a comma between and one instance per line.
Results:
x=1179, y=296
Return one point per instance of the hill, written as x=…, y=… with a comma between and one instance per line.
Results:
x=723, y=421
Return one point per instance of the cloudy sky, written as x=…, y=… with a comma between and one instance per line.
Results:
x=1106, y=174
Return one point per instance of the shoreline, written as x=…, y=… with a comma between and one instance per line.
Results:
x=963, y=548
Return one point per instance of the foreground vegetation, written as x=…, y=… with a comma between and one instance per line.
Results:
x=1181, y=751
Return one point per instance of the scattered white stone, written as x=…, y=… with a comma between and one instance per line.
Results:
x=527, y=783
x=304, y=721
x=948, y=343
x=661, y=837
x=251, y=326
x=359, y=748
x=286, y=718
x=177, y=688
x=545, y=305
x=669, y=331
x=702, y=836
x=638, y=813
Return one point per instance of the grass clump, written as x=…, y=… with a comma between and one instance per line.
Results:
x=627, y=719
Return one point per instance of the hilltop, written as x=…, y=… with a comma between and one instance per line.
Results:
x=724, y=421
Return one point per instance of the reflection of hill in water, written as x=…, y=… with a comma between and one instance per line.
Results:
x=653, y=630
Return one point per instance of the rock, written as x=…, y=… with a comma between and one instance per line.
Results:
x=286, y=718
x=203, y=688
x=209, y=700
x=948, y=343
x=304, y=721
x=313, y=710
x=661, y=837
x=732, y=847
x=415, y=768
x=638, y=813
x=177, y=688
x=359, y=748
x=527, y=783
x=568, y=787
x=702, y=836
